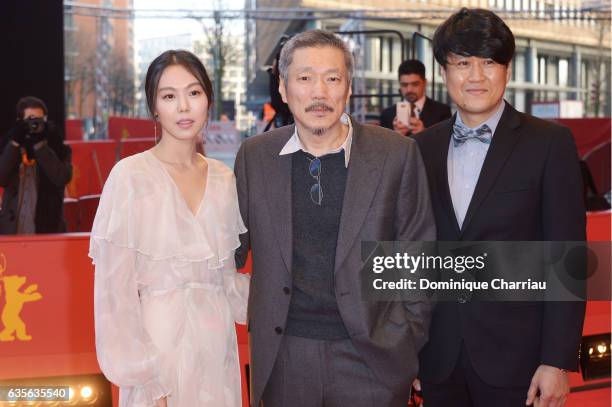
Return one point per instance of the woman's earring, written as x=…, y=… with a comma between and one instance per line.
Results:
x=155, y=127
x=203, y=139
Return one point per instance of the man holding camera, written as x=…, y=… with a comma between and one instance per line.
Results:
x=416, y=111
x=35, y=166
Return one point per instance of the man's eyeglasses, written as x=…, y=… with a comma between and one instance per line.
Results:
x=316, y=192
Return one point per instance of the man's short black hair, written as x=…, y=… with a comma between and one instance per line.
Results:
x=29, y=102
x=411, y=66
x=474, y=32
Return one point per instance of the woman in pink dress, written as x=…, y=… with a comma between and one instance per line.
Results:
x=167, y=292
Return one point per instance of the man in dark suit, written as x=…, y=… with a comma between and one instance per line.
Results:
x=35, y=167
x=425, y=112
x=499, y=175
x=310, y=193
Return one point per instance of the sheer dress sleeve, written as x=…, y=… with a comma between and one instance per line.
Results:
x=126, y=353
x=224, y=238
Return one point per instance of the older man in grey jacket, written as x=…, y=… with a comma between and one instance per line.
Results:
x=309, y=194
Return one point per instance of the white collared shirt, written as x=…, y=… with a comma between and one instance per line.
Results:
x=295, y=144
x=464, y=163
x=419, y=106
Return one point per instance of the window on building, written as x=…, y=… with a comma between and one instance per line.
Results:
x=396, y=55
x=373, y=54
x=563, y=8
x=408, y=48
x=517, y=5
x=552, y=74
x=373, y=88
x=542, y=70
x=519, y=100
x=384, y=89
x=386, y=54
x=549, y=10
x=572, y=14
x=427, y=60
x=563, y=72
x=519, y=67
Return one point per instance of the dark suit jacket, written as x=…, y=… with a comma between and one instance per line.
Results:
x=433, y=112
x=529, y=189
x=386, y=198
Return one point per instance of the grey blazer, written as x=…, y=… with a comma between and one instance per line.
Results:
x=386, y=198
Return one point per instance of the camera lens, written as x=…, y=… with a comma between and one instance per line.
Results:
x=34, y=123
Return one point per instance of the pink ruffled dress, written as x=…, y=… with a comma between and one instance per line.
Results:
x=167, y=292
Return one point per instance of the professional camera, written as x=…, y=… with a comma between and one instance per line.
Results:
x=35, y=124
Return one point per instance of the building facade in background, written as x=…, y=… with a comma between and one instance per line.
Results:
x=98, y=63
x=563, y=52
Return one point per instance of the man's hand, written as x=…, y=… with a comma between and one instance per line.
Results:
x=413, y=127
x=18, y=133
x=416, y=383
x=161, y=402
x=400, y=127
x=552, y=384
x=417, y=396
x=416, y=125
x=35, y=138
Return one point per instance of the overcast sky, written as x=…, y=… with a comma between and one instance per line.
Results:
x=152, y=28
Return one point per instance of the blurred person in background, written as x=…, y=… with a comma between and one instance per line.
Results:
x=423, y=111
x=282, y=114
x=35, y=167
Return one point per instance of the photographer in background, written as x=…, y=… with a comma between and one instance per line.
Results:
x=421, y=111
x=35, y=166
x=282, y=116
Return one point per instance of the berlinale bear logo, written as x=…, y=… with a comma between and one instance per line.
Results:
x=15, y=298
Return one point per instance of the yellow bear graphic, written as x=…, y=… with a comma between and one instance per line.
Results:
x=14, y=304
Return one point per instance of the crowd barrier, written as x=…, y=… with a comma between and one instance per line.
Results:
x=58, y=318
x=589, y=133
x=128, y=136
x=54, y=276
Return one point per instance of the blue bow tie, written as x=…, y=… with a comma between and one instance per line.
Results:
x=461, y=133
